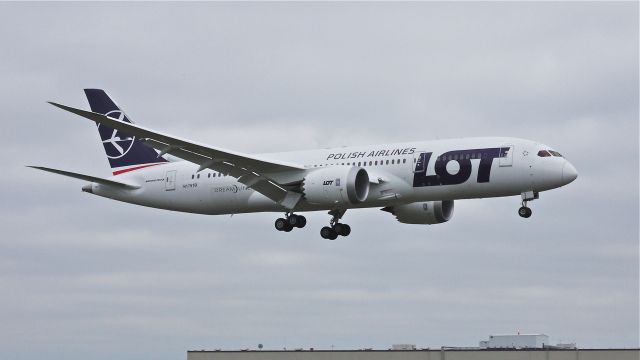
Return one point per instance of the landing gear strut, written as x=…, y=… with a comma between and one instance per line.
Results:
x=524, y=210
x=290, y=221
x=335, y=228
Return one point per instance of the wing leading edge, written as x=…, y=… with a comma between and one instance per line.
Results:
x=262, y=175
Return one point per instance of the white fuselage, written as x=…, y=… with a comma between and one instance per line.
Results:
x=399, y=174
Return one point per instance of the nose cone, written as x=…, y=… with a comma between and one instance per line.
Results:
x=569, y=173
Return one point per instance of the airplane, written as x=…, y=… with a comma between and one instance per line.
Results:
x=417, y=182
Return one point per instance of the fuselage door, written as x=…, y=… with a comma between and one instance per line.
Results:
x=506, y=155
x=419, y=162
x=170, y=180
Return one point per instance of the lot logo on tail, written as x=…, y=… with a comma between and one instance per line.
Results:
x=115, y=145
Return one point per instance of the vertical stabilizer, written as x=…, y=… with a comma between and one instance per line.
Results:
x=125, y=152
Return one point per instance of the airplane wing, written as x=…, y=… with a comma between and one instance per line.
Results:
x=88, y=178
x=265, y=176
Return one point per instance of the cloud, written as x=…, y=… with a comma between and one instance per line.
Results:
x=84, y=276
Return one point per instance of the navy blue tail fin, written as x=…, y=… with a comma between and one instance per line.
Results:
x=123, y=150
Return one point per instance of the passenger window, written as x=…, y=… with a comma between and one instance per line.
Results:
x=404, y=161
x=467, y=156
x=358, y=163
x=387, y=162
x=198, y=176
x=192, y=176
x=370, y=163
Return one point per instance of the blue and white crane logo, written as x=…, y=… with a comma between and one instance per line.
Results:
x=115, y=145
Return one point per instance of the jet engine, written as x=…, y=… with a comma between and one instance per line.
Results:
x=336, y=185
x=429, y=212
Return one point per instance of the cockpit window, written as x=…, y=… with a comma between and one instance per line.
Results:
x=555, y=153
x=543, y=153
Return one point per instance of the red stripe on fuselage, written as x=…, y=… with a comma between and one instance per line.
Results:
x=134, y=168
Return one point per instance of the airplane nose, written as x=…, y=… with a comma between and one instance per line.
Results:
x=569, y=173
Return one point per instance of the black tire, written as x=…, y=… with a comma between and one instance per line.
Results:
x=281, y=224
x=302, y=221
x=342, y=229
x=328, y=233
x=288, y=228
x=298, y=221
x=524, y=212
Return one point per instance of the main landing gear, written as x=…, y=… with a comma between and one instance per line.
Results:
x=290, y=221
x=527, y=196
x=335, y=228
x=331, y=232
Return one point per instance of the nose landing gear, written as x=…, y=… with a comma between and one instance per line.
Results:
x=527, y=196
x=524, y=211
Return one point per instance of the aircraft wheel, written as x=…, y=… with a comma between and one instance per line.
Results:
x=524, y=212
x=282, y=225
x=328, y=233
x=302, y=221
x=342, y=229
x=298, y=221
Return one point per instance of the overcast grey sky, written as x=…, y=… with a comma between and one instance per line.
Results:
x=82, y=276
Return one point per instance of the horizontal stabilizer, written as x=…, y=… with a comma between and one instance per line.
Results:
x=88, y=178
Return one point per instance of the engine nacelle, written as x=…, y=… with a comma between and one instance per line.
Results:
x=336, y=185
x=429, y=212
